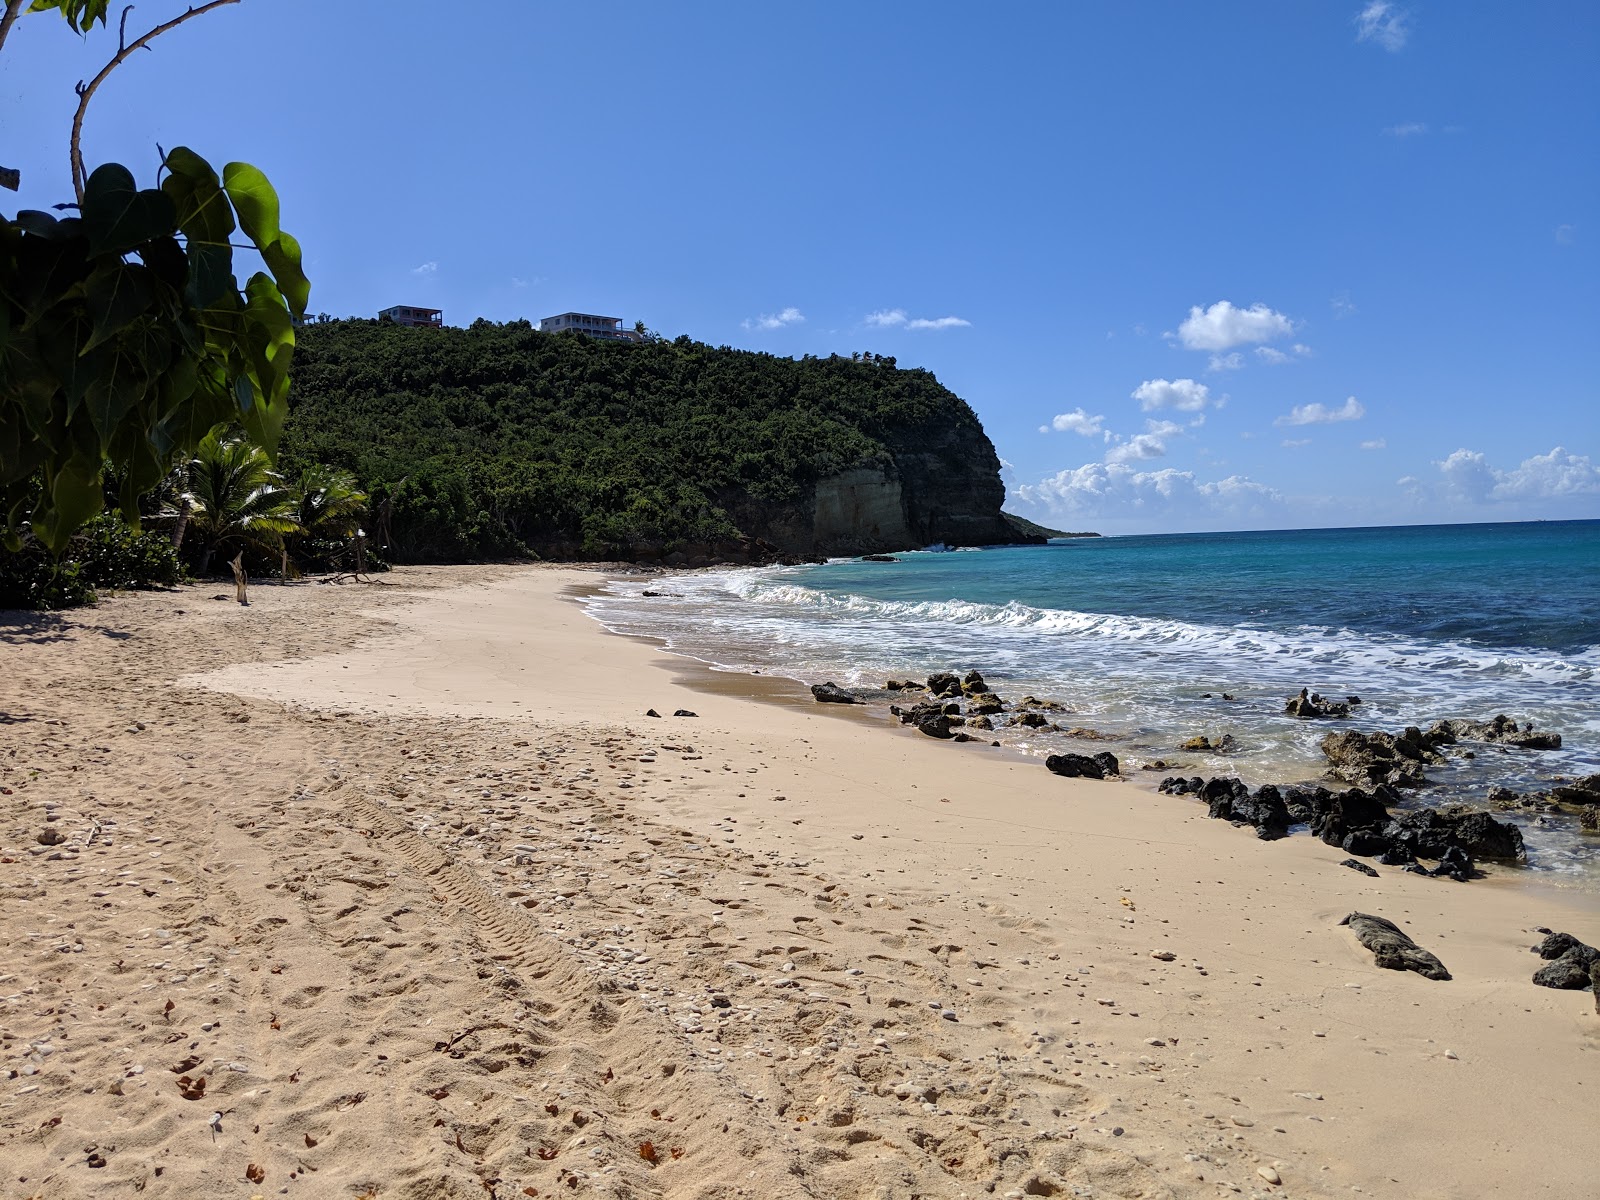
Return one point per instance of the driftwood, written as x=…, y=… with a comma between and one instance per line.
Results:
x=240, y=579
x=1392, y=949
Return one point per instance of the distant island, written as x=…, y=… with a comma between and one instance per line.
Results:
x=502, y=441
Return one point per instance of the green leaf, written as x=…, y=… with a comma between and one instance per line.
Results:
x=283, y=260
x=80, y=14
x=211, y=279
x=74, y=495
x=114, y=296
x=166, y=258
x=202, y=206
x=112, y=391
x=254, y=200
x=118, y=216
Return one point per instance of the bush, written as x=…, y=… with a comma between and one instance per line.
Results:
x=105, y=553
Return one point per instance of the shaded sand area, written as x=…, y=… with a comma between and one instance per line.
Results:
x=399, y=881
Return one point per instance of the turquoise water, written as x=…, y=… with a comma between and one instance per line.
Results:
x=1141, y=637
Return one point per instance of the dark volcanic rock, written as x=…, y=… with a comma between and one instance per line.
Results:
x=1556, y=945
x=1356, y=864
x=1501, y=730
x=943, y=683
x=1429, y=833
x=832, y=693
x=972, y=683
x=935, y=725
x=1265, y=810
x=1391, y=948
x=879, y=558
x=1334, y=818
x=1308, y=705
x=684, y=712
x=1032, y=720
x=1572, y=968
x=984, y=704
x=1075, y=766
x=1455, y=863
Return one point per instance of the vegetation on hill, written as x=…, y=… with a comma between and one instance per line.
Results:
x=1031, y=529
x=497, y=440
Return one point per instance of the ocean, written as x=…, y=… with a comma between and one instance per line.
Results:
x=1142, y=638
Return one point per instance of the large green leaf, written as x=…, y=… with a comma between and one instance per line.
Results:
x=211, y=279
x=255, y=201
x=204, y=213
x=283, y=260
x=118, y=216
x=115, y=295
x=113, y=390
x=74, y=494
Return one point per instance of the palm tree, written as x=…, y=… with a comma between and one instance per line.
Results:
x=328, y=508
x=238, y=501
x=328, y=505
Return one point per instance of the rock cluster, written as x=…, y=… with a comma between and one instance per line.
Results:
x=1569, y=963
x=1309, y=705
x=1392, y=949
x=1359, y=822
x=1398, y=758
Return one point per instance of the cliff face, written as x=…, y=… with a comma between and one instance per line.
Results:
x=941, y=484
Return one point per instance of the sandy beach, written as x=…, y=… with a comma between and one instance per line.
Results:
x=394, y=890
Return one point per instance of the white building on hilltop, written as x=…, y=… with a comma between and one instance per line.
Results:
x=595, y=326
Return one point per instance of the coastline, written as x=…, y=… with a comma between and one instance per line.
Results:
x=1026, y=905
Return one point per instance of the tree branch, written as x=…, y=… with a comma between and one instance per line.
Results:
x=86, y=91
x=13, y=11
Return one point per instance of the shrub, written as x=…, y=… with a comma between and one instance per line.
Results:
x=104, y=553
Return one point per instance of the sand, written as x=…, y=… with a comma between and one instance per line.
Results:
x=393, y=891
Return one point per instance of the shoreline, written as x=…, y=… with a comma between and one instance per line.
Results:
x=767, y=900
x=705, y=674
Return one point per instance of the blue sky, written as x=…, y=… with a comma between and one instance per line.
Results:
x=1196, y=266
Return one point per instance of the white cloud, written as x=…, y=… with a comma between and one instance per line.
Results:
x=1342, y=306
x=1222, y=326
x=1115, y=489
x=1186, y=395
x=1320, y=414
x=1469, y=475
x=1384, y=23
x=1163, y=428
x=1268, y=354
x=1226, y=362
x=890, y=318
x=1406, y=130
x=1374, y=444
x=1140, y=446
x=426, y=269
x=1293, y=443
x=1566, y=234
x=789, y=316
x=1076, y=421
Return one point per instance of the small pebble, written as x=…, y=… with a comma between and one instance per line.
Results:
x=1269, y=1175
